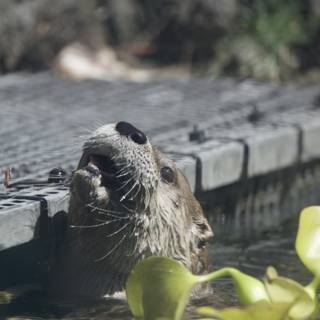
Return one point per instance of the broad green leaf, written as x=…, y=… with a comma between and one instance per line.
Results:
x=259, y=311
x=249, y=289
x=159, y=287
x=287, y=291
x=308, y=239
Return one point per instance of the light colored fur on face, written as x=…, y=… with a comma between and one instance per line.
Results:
x=114, y=229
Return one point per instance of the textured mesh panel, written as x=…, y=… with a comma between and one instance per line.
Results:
x=44, y=120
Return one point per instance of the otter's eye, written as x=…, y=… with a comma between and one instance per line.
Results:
x=167, y=174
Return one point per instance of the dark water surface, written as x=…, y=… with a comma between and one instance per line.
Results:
x=252, y=258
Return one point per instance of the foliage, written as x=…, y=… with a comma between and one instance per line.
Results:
x=263, y=43
x=307, y=242
x=263, y=311
x=159, y=287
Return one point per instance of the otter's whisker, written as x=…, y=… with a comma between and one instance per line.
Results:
x=137, y=242
x=118, y=218
x=137, y=192
x=93, y=225
x=125, y=183
x=130, y=210
x=119, y=230
x=113, y=249
x=110, y=220
x=147, y=198
x=125, y=168
x=108, y=212
x=123, y=174
x=125, y=195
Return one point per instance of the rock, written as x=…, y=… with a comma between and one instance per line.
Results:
x=78, y=62
x=32, y=32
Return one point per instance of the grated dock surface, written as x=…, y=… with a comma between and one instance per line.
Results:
x=244, y=130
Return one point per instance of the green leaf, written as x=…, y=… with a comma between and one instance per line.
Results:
x=159, y=287
x=249, y=289
x=260, y=311
x=287, y=291
x=308, y=239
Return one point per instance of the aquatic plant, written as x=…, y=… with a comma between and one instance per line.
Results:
x=264, y=40
x=159, y=287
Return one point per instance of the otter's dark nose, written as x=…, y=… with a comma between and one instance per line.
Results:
x=128, y=130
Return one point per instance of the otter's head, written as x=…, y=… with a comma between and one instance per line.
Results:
x=129, y=201
x=122, y=165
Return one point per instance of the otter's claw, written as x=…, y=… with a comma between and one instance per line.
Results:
x=91, y=168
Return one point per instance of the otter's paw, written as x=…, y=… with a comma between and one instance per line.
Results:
x=86, y=186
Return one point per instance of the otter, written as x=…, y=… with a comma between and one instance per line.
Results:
x=128, y=201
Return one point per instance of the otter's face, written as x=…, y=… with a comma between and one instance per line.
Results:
x=121, y=164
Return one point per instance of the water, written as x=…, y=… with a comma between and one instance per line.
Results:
x=251, y=257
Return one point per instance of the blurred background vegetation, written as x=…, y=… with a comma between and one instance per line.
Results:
x=264, y=39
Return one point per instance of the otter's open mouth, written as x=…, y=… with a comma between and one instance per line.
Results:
x=107, y=168
x=117, y=177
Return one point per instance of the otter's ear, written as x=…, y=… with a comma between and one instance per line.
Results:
x=204, y=230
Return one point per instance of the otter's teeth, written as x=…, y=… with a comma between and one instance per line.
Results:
x=92, y=168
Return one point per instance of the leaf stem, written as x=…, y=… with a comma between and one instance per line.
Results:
x=224, y=272
x=311, y=288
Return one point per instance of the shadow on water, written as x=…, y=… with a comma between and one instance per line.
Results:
x=251, y=257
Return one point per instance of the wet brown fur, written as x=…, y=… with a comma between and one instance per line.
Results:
x=96, y=260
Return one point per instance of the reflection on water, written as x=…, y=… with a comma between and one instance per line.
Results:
x=252, y=258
